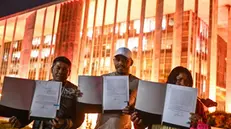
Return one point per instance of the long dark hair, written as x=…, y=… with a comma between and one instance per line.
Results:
x=176, y=71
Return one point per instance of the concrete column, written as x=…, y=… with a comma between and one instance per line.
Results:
x=157, y=40
x=27, y=46
x=228, y=65
x=11, y=47
x=77, y=15
x=112, y=51
x=128, y=22
x=68, y=35
x=51, y=46
x=39, y=62
x=83, y=38
x=177, y=33
x=101, y=39
x=139, y=65
x=91, y=64
x=212, y=49
x=195, y=31
x=1, y=53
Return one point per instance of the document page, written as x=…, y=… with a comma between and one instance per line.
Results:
x=180, y=101
x=92, y=89
x=115, y=92
x=150, y=97
x=46, y=99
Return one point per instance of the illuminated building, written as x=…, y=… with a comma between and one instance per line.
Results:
x=88, y=32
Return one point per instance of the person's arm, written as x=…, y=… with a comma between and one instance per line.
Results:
x=201, y=111
x=78, y=115
x=138, y=122
x=74, y=121
x=19, y=122
x=199, y=115
x=131, y=105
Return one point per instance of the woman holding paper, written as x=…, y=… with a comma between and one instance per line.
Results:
x=179, y=76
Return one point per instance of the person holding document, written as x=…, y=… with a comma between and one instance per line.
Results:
x=68, y=115
x=179, y=76
x=122, y=61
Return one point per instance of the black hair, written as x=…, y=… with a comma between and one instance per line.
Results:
x=176, y=71
x=62, y=59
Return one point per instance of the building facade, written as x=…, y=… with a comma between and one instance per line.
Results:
x=88, y=32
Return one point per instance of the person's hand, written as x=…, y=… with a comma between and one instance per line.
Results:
x=128, y=110
x=194, y=119
x=57, y=122
x=79, y=93
x=15, y=122
x=138, y=122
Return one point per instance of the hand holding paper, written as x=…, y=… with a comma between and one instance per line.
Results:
x=91, y=88
x=42, y=98
x=166, y=103
x=15, y=122
x=57, y=122
x=46, y=99
x=115, y=92
x=111, y=92
x=128, y=110
x=180, y=101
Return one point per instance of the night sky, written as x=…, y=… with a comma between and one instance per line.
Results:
x=8, y=7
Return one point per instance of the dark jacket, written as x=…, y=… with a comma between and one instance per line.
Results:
x=68, y=109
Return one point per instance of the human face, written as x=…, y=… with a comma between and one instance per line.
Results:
x=60, y=71
x=182, y=80
x=122, y=64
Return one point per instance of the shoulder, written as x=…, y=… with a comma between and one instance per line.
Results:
x=69, y=90
x=133, y=77
x=114, y=74
x=133, y=81
x=71, y=85
x=109, y=74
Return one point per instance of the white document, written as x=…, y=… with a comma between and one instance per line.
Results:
x=92, y=89
x=150, y=97
x=180, y=101
x=115, y=92
x=46, y=99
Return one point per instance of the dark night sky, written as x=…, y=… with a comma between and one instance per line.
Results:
x=12, y=6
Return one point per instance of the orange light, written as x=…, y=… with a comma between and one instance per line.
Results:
x=212, y=109
x=93, y=118
x=228, y=107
